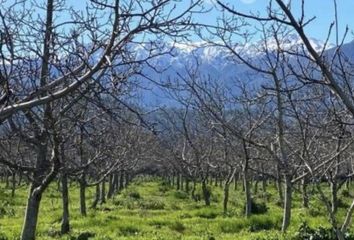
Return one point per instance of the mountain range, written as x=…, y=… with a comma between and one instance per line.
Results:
x=212, y=61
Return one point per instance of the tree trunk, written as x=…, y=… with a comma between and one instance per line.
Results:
x=127, y=179
x=103, y=192
x=264, y=184
x=31, y=216
x=115, y=183
x=65, y=223
x=97, y=196
x=256, y=186
x=348, y=218
x=7, y=179
x=110, y=186
x=305, y=197
x=178, y=185
x=34, y=195
x=279, y=185
x=334, y=197
x=246, y=183
x=193, y=190
x=182, y=183
x=226, y=196
x=83, y=211
x=236, y=182
x=13, y=187
x=121, y=180
x=206, y=193
x=82, y=181
x=19, y=179
x=287, y=204
x=248, y=205
x=187, y=185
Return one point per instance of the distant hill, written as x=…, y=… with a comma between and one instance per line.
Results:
x=212, y=61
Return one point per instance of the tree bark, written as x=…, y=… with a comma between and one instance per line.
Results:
x=111, y=186
x=226, y=197
x=35, y=196
x=127, y=179
x=187, y=185
x=334, y=197
x=13, y=187
x=116, y=183
x=65, y=222
x=31, y=216
x=236, y=182
x=193, y=190
x=246, y=183
x=287, y=204
x=121, y=181
x=348, y=218
x=178, y=185
x=206, y=193
x=97, y=196
x=305, y=197
x=82, y=183
x=103, y=192
x=279, y=185
x=7, y=179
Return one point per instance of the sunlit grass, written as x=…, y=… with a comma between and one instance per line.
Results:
x=150, y=210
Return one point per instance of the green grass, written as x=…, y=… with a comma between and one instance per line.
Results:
x=150, y=210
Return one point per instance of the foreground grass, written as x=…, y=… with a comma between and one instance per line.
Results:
x=152, y=210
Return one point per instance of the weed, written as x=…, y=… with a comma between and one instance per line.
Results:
x=85, y=235
x=258, y=208
x=128, y=230
x=181, y=195
x=207, y=213
x=177, y=226
x=152, y=204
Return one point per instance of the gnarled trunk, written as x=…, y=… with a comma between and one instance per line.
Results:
x=35, y=196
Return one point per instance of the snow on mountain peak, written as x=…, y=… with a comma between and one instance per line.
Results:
x=192, y=54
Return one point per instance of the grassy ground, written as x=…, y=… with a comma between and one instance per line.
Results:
x=148, y=209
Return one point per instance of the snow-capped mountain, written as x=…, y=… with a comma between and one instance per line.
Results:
x=216, y=62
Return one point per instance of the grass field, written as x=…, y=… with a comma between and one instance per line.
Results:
x=149, y=209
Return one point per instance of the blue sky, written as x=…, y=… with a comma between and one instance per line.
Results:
x=322, y=9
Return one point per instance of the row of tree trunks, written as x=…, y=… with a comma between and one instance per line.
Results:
x=12, y=180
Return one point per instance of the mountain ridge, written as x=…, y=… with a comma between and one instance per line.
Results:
x=215, y=62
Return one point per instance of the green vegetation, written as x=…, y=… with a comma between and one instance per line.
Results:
x=150, y=209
